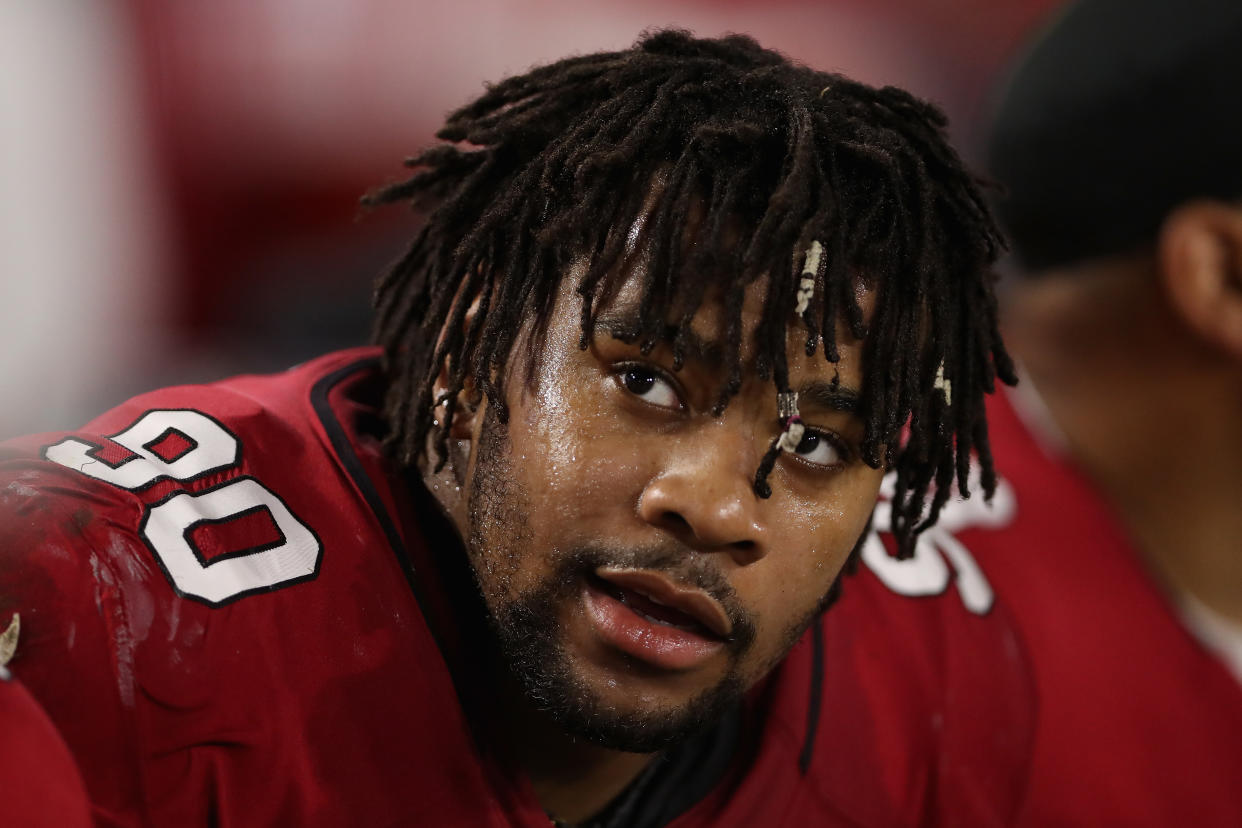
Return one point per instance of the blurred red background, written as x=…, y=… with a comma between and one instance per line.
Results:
x=182, y=179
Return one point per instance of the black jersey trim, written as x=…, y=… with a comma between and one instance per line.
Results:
x=344, y=451
x=817, y=685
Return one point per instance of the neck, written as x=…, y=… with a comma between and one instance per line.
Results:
x=572, y=779
x=1150, y=414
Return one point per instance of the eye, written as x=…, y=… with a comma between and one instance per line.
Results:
x=819, y=449
x=648, y=384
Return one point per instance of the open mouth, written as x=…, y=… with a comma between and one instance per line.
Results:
x=651, y=609
x=632, y=620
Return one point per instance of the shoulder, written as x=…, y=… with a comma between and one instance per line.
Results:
x=170, y=556
x=217, y=608
x=177, y=471
x=184, y=433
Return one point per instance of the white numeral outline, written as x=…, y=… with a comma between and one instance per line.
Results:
x=927, y=571
x=166, y=526
x=212, y=448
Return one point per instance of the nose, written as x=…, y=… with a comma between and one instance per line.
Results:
x=702, y=495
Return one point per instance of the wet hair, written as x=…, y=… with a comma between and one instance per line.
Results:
x=545, y=174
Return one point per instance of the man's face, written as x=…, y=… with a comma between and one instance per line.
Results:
x=636, y=582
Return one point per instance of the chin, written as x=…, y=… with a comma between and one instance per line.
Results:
x=623, y=705
x=645, y=727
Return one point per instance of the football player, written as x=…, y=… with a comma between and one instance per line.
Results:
x=559, y=548
x=1117, y=139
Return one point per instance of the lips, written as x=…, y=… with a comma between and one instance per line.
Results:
x=656, y=597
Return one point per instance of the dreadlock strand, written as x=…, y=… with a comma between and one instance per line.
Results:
x=680, y=139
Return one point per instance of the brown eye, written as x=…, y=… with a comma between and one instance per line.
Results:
x=638, y=380
x=818, y=449
x=648, y=384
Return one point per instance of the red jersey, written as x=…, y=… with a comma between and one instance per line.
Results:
x=225, y=591
x=39, y=784
x=1139, y=724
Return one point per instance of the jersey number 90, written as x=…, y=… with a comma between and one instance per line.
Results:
x=202, y=447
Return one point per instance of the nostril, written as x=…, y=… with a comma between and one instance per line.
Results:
x=745, y=552
x=675, y=521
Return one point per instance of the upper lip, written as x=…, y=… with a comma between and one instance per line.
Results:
x=692, y=601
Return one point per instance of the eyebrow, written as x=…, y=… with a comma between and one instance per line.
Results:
x=624, y=326
x=830, y=396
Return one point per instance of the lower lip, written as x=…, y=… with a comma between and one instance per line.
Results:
x=656, y=644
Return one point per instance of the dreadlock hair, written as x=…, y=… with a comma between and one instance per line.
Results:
x=552, y=167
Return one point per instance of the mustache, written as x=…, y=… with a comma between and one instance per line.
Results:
x=683, y=566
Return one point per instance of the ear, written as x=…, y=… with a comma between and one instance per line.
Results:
x=1200, y=255
x=467, y=408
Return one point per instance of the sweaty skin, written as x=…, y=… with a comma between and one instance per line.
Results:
x=637, y=583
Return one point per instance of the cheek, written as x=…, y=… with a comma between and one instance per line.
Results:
x=832, y=520
x=809, y=545
x=790, y=582
x=577, y=462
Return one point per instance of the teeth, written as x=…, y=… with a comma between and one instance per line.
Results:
x=647, y=597
x=690, y=625
x=666, y=623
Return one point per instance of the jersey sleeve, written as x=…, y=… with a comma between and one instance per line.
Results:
x=218, y=621
x=39, y=782
x=117, y=542
x=71, y=567
x=124, y=547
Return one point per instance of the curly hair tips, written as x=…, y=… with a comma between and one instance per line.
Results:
x=757, y=157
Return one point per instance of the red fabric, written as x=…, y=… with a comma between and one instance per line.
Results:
x=1139, y=724
x=325, y=700
x=39, y=784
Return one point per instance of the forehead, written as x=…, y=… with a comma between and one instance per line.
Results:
x=619, y=314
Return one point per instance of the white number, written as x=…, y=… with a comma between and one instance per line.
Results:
x=213, y=448
x=166, y=527
x=927, y=571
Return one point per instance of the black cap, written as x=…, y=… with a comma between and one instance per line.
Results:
x=1118, y=112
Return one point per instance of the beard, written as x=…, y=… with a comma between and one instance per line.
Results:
x=529, y=632
x=527, y=623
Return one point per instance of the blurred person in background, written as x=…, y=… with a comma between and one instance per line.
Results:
x=1119, y=139
x=560, y=548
